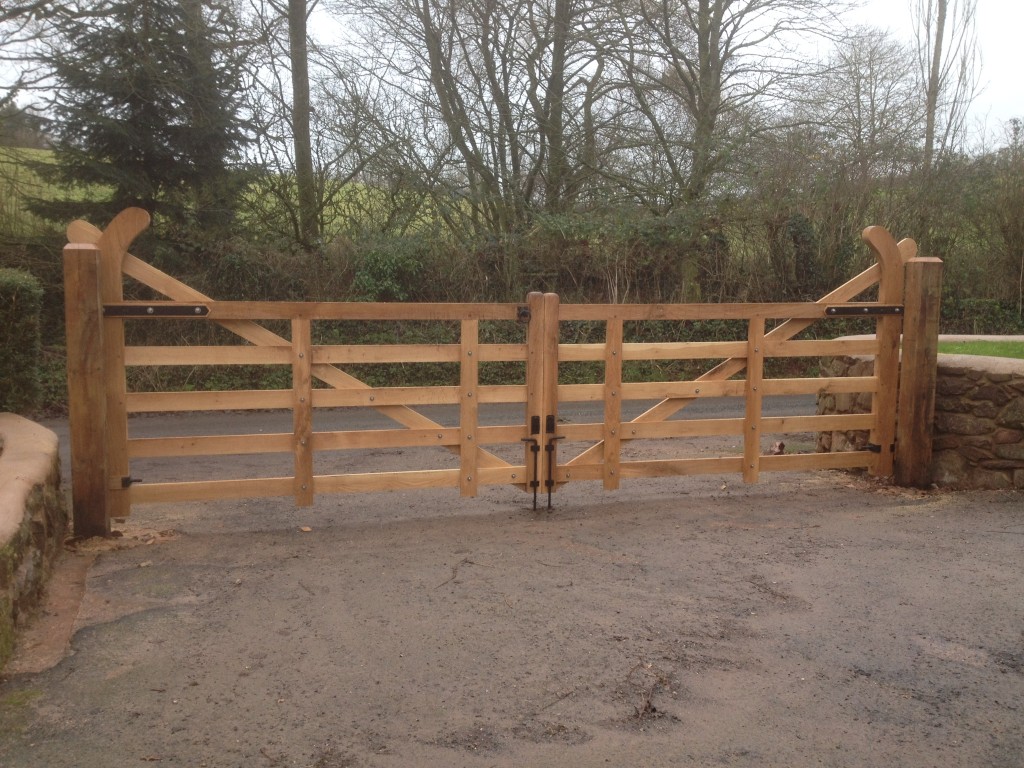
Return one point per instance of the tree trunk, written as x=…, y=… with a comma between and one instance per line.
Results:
x=932, y=89
x=305, y=180
x=558, y=170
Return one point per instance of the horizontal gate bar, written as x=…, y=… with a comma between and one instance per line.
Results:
x=795, y=462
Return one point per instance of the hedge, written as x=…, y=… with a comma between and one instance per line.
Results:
x=21, y=300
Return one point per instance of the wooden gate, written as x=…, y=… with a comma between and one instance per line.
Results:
x=536, y=451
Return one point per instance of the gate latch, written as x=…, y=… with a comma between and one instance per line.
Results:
x=875, y=448
x=549, y=422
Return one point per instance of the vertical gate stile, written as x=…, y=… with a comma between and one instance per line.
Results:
x=87, y=403
x=550, y=427
x=302, y=410
x=118, y=466
x=469, y=398
x=535, y=391
x=754, y=396
x=887, y=360
x=612, y=401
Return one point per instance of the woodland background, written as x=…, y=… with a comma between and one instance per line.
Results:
x=475, y=150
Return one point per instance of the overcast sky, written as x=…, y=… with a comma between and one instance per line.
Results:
x=1000, y=25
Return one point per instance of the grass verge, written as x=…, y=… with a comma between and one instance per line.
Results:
x=988, y=348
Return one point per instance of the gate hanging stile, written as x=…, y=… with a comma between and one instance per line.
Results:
x=99, y=401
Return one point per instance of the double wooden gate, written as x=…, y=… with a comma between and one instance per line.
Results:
x=538, y=452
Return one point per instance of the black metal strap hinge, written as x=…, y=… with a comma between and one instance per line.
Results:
x=875, y=448
x=864, y=310
x=155, y=310
x=551, y=422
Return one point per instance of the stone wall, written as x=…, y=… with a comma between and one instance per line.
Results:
x=33, y=520
x=978, y=436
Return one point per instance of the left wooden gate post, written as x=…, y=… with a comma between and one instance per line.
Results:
x=87, y=391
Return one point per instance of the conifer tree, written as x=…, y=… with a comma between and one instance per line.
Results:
x=146, y=111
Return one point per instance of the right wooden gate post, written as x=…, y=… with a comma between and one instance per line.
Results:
x=87, y=394
x=918, y=372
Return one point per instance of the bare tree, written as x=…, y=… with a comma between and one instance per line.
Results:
x=511, y=95
x=947, y=61
x=309, y=225
x=843, y=160
x=704, y=73
x=947, y=50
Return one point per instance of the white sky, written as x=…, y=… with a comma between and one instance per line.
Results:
x=999, y=27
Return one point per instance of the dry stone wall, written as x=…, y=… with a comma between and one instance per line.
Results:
x=33, y=520
x=978, y=435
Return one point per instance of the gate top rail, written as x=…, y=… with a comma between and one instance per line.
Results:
x=264, y=310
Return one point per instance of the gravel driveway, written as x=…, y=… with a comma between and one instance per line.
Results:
x=811, y=619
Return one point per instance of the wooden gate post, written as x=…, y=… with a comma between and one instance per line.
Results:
x=918, y=372
x=87, y=393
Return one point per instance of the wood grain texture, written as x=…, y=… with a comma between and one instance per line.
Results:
x=302, y=411
x=469, y=406
x=612, y=402
x=753, y=396
x=918, y=373
x=87, y=397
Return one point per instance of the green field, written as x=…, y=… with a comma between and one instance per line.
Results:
x=1014, y=349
